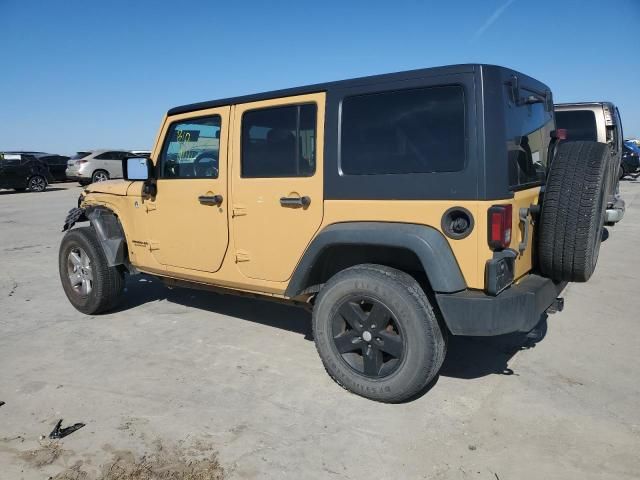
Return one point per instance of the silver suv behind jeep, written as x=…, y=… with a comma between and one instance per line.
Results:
x=93, y=166
x=597, y=122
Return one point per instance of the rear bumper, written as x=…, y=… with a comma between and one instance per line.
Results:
x=615, y=212
x=517, y=309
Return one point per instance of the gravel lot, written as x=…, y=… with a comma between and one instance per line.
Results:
x=197, y=373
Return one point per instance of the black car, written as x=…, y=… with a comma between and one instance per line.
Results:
x=21, y=171
x=57, y=163
x=630, y=159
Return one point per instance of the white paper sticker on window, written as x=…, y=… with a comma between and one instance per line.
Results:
x=535, y=157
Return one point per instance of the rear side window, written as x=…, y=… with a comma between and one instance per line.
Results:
x=404, y=131
x=279, y=142
x=106, y=156
x=80, y=155
x=579, y=124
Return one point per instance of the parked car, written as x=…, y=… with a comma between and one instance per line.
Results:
x=57, y=163
x=93, y=166
x=597, y=122
x=630, y=159
x=392, y=205
x=21, y=171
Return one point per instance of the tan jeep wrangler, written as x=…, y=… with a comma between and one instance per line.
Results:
x=401, y=207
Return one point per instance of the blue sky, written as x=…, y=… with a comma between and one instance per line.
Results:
x=90, y=74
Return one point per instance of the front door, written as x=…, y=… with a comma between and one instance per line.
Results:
x=188, y=218
x=276, y=183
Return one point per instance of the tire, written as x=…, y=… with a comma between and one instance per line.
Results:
x=106, y=284
x=37, y=183
x=621, y=172
x=573, y=212
x=99, y=176
x=412, y=344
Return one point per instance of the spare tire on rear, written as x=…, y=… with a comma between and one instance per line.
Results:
x=573, y=212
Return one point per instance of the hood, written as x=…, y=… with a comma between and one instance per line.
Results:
x=113, y=187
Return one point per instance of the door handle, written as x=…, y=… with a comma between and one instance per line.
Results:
x=524, y=220
x=210, y=199
x=295, y=202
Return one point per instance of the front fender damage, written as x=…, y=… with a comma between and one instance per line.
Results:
x=107, y=228
x=75, y=215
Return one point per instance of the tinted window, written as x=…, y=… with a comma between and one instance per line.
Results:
x=279, y=142
x=580, y=124
x=405, y=131
x=55, y=159
x=191, y=149
x=80, y=155
x=528, y=127
x=106, y=156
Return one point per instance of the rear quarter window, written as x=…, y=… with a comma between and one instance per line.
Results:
x=418, y=130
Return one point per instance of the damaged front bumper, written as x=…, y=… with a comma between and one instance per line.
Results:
x=75, y=215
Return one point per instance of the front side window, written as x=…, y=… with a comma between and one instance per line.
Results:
x=279, y=142
x=191, y=149
x=404, y=131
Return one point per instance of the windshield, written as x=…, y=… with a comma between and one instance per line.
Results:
x=80, y=155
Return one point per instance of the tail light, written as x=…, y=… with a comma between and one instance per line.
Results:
x=78, y=162
x=561, y=133
x=500, y=219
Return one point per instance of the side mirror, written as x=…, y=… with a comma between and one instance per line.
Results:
x=137, y=168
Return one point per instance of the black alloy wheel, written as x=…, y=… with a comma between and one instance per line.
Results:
x=37, y=183
x=368, y=337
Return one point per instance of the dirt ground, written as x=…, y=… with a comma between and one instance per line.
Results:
x=181, y=384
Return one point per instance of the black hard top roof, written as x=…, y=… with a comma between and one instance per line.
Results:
x=323, y=87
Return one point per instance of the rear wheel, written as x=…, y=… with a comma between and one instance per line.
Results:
x=377, y=334
x=37, y=183
x=99, y=176
x=91, y=285
x=573, y=212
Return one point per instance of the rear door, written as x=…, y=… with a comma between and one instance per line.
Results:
x=276, y=181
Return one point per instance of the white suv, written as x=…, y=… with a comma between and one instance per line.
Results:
x=93, y=166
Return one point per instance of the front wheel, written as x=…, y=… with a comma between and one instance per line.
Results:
x=91, y=285
x=377, y=334
x=37, y=183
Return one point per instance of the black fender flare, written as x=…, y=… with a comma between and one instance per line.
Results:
x=108, y=229
x=110, y=234
x=427, y=243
